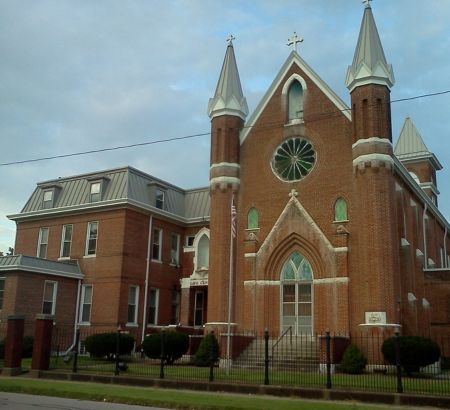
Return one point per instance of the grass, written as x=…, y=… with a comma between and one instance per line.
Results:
x=174, y=399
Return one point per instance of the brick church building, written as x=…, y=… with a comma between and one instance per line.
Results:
x=312, y=220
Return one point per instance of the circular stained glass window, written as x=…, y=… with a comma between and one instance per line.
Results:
x=293, y=159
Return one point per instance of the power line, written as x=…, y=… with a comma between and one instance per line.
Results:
x=319, y=116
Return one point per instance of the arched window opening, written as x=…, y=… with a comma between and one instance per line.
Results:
x=252, y=219
x=296, y=295
x=340, y=210
x=203, y=253
x=295, y=101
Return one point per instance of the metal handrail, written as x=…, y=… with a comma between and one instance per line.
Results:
x=288, y=330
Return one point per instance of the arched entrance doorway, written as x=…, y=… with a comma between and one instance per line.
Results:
x=296, y=310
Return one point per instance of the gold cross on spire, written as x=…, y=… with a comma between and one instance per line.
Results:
x=367, y=3
x=294, y=40
x=230, y=38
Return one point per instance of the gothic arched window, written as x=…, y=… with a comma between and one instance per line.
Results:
x=203, y=253
x=340, y=210
x=252, y=219
x=295, y=101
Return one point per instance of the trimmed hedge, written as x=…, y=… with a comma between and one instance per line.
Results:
x=104, y=344
x=176, y=344
x=353, y=361
x=415, y=352
x=208, y=350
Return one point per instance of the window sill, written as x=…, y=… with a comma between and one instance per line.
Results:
x=157, y=260
x=341, y=222
x=64, y=258
x=131, y=325
x=295, y=121
x=84, y=323
x=89, y=256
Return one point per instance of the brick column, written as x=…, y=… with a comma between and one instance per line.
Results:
x=42, y=345
x=13, y=345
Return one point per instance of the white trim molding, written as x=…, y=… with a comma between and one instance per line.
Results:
x=371, y=140
x=329, y=281
x=225, y=164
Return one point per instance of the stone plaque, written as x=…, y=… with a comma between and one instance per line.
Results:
x=375, y=318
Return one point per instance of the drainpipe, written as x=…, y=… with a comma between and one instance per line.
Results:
x=77, y=313
x=445, y=264
x=425, y=252
x=147, y=272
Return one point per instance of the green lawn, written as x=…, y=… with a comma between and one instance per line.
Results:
x=169, y=398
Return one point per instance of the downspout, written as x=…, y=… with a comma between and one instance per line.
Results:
x=77, y=313
x=147, y=272
x=425, y=252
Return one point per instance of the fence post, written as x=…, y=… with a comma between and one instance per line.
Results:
x=75, y=350
x=211, y=357
x=13, y=345
x=266, y=356
x=42, y=345
x=328, y=351
x=161, y=368
x=398, y=361
x=116, y=372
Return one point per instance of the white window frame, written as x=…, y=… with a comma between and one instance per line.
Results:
x=2, y=291
x=83, y=304
x=95, y=191
x=54, y=293
x=86, y=254
x=190, y=238
x=159, y=243
x=63, y=241
x=175, y=253
x=160, y=198
x=46, y=201
x=198, y=237
x=40, y=242
x=134, y=303
x=155, y=322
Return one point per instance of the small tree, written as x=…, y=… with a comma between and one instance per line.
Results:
x=176, y=344
x=104, y=344
x=207, y=351
x=353, y=361
x=415, y=352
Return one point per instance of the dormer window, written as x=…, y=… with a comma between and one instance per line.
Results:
x=96, y=191
x=48, y=199
x=159, y=198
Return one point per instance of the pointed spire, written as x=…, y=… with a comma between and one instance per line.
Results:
x=369, y=63
x=228, y=98
x=411, y=147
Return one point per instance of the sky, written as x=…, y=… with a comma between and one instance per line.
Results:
x=84, y=75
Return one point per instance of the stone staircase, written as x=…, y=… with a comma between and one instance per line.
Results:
x=299, y=353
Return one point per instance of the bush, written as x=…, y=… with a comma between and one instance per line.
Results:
x=104, y=344
x=353, y=361
x=27, y=347
x=415, y=352
x=176, y=344
x=207, y=350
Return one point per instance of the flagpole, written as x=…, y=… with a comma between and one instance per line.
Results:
x=230, y=280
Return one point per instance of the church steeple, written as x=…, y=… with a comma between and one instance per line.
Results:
x=369, y=63
x=228, y=98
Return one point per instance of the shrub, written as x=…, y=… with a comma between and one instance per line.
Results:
x=176, y=344
x=207, y=350
x=104, y=344
x=415, y=352
x=353, y=361
x=27, y=347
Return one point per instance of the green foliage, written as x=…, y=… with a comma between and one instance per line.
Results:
x=176, y=344
x=27, y=347
x=104, y=344
x=208, y=351
x=353, y=361
x=415, y=352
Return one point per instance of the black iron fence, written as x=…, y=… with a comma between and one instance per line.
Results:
x=314, y=361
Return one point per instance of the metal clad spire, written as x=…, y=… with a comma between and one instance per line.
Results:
x=369, y=64
x=228, y=98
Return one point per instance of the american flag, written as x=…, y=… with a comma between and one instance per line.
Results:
x=233, y=218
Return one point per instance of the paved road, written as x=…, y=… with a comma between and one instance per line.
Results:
x=14, y=401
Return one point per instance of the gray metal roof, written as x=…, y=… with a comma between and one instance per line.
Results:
x=369, y=62
x=119, y=186
x=38, y=265
x=410, y=146
x=228, y=98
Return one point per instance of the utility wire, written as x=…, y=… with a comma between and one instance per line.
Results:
x=319, y=116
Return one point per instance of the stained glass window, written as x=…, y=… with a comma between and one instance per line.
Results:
x=340, y=210
x=252, y=219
